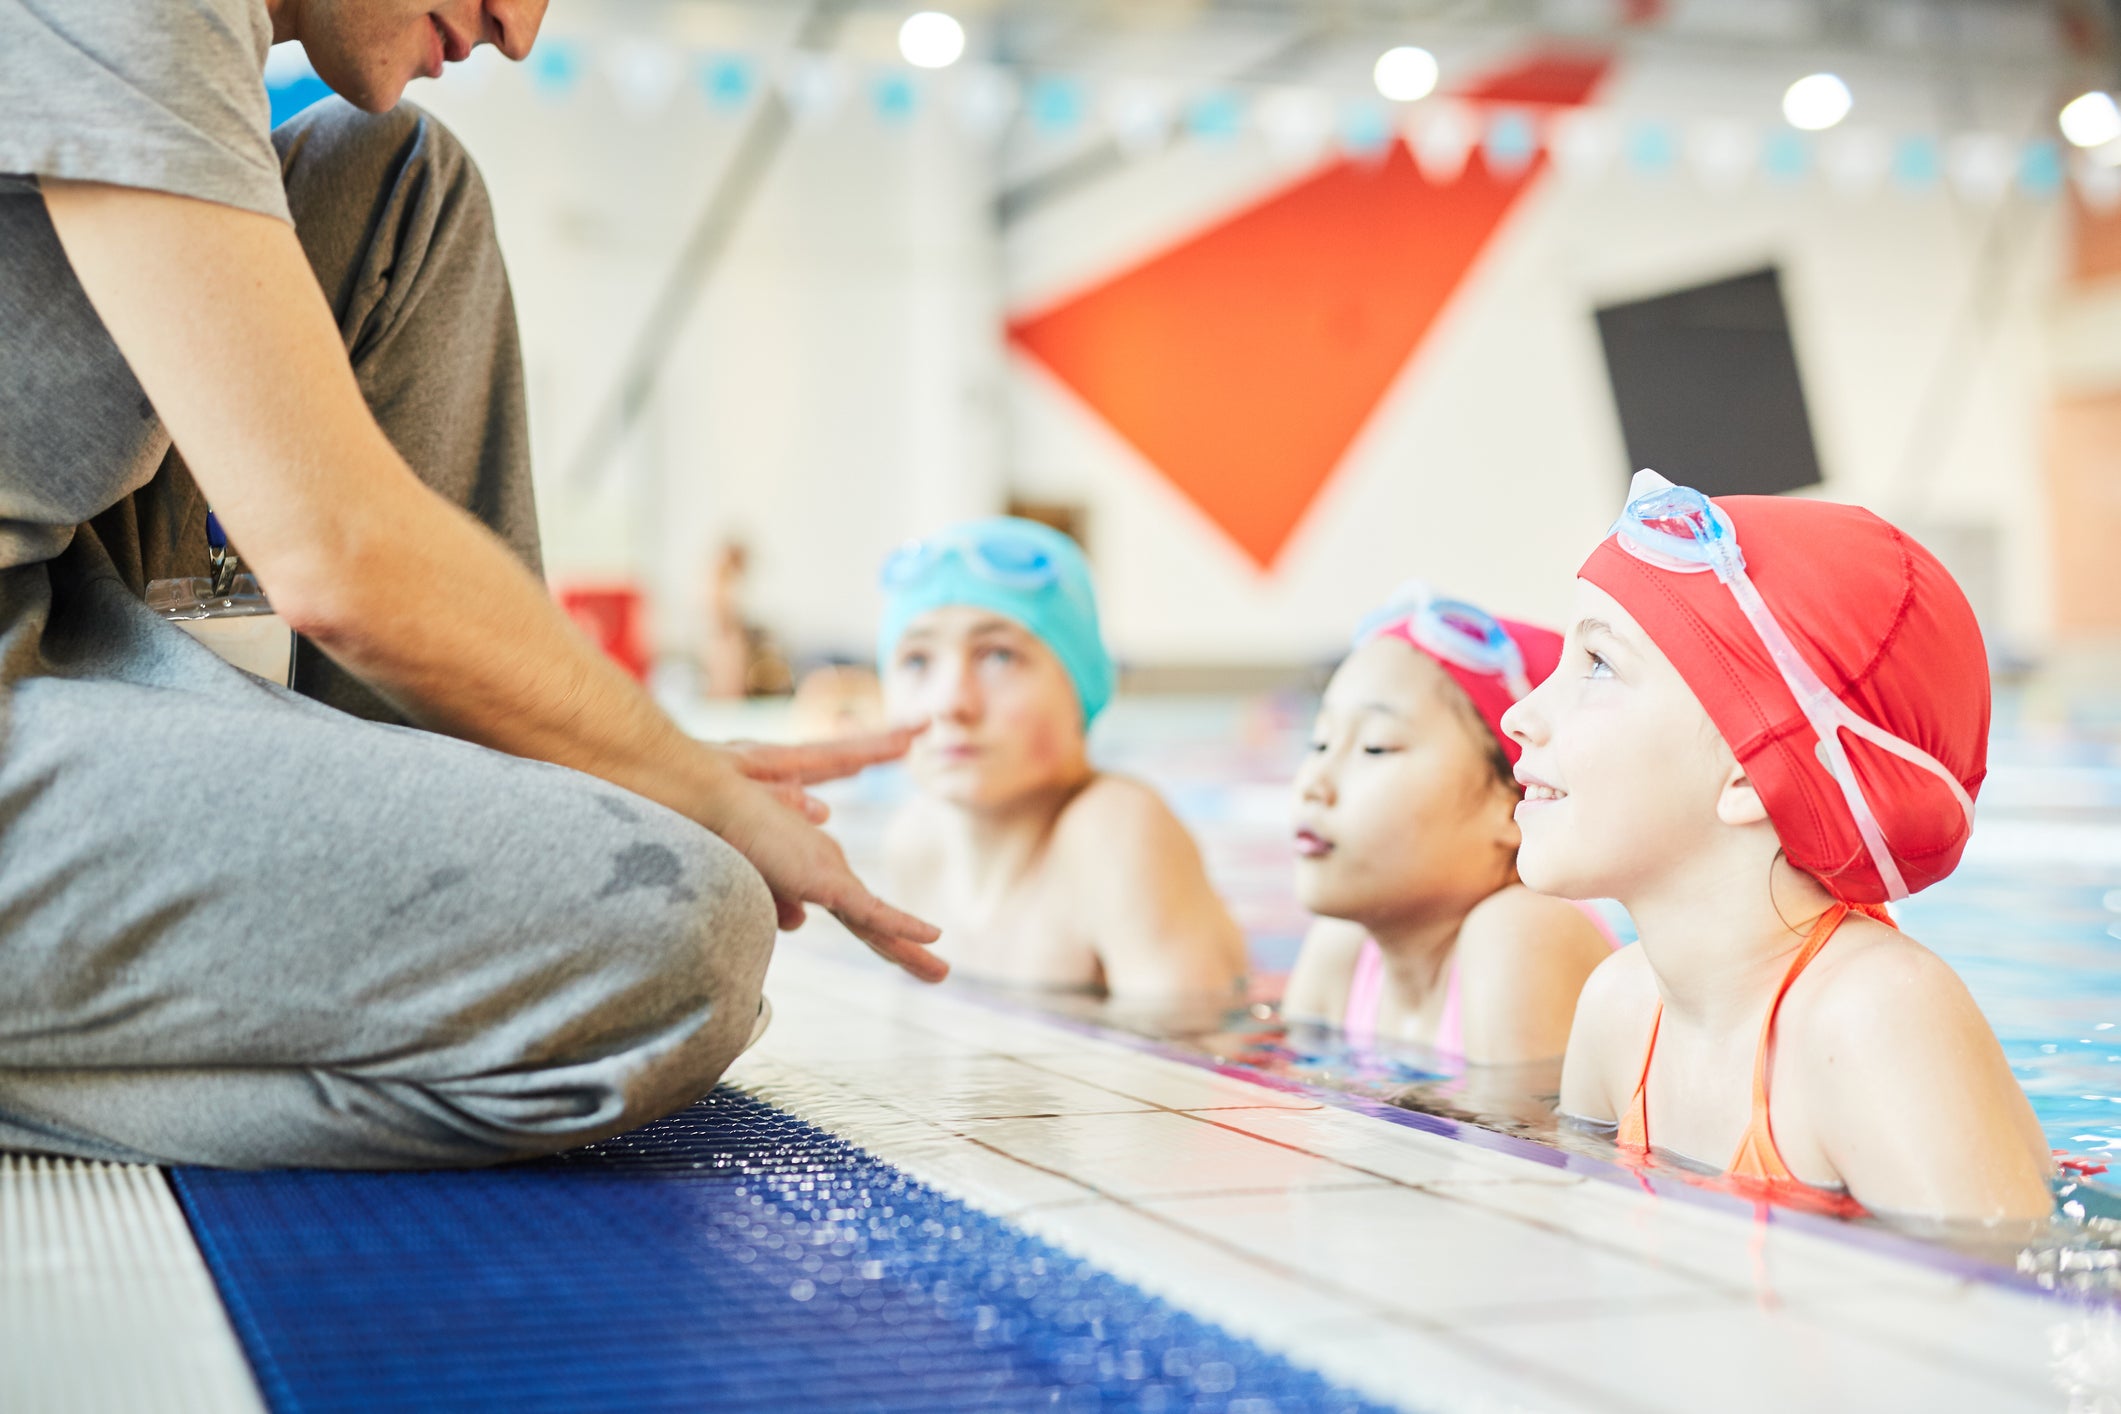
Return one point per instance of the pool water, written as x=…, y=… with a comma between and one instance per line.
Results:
x=2031, y=920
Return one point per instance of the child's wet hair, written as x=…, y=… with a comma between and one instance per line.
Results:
x=1483, y=737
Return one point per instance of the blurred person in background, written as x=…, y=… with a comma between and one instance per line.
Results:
x=725, y=647
x=254, y=926
x=738, y=658
x=1048, y=872
x=1406, y=846
x=837, y=700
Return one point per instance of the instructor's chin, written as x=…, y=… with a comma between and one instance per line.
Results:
x=371, y=93
x=377, y=100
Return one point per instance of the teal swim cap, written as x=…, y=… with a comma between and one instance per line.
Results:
x=1026, y=572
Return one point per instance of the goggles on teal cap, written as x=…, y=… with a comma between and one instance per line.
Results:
x=1026, y=572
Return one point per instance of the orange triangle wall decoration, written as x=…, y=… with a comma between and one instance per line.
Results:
x=1242, y=363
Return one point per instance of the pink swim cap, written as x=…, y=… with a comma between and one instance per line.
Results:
x=1464, y=641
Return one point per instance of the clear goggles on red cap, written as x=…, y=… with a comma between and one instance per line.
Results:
x=1458, y=633
x=1677, y=528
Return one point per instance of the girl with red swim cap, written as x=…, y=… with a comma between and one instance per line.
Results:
x=1771, y=717
x=1407, y=850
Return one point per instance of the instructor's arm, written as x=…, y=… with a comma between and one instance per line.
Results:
x=221, y=319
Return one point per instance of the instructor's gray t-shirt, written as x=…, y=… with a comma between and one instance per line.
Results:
x=163, y=94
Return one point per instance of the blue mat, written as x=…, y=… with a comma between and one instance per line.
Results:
x=730, y=1257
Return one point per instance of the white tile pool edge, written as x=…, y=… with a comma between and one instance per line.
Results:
x=1886, y=1241
x=103, y=1287
x=849, y=1054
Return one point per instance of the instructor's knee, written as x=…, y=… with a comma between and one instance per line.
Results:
x=727, y=932
x=382, y=196
x=704, y=963
x=365, y=151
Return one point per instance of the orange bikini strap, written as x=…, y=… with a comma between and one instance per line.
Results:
x=1634, y=1131
x=1635, y=1124
x=1822, y=930
x=1758, y=1155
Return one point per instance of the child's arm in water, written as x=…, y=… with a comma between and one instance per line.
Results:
x=1917, y=1108
x=1522, y=962
x=1159, y=929
x=1325, y=969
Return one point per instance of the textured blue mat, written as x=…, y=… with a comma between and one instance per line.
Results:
x=730, y=1257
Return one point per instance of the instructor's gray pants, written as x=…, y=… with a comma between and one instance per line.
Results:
x=239, y=926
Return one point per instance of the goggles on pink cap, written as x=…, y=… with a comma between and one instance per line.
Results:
x=1677, y=528
x=1461, y=634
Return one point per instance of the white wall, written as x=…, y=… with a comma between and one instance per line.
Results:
x=843, y=383
x=1496, y=461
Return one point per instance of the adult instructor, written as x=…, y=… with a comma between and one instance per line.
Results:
x=246, y=926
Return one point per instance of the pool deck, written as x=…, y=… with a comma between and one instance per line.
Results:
x=1420, y=1269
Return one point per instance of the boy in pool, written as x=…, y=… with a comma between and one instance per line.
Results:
x=1042, y=871
x=1769, y=720
x=1407, y=850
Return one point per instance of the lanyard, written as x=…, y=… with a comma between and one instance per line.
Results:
x=221, y=556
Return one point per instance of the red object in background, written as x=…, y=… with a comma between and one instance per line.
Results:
x=1556, y=78
x=615, y=618
x=1243, y=362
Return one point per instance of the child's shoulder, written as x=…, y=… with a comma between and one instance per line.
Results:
x=1611, y=1027
x=1871, y=980
x=1337, y=939
x=1115, y=811
x=1619, y=997
x=1515, y=927
x=1901, y=1086
x=1318, y=984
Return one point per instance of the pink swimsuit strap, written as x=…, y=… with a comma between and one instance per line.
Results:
x=1366, y=998
x=1366, y=992
x=1450, y=1028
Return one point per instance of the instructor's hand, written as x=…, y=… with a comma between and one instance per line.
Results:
x=804, y=865
x=787, y=769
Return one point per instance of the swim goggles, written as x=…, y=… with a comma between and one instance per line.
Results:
x=1677, y=528
x=1453, y=631
x=1004, y=557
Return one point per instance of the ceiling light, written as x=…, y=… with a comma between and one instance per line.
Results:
x=1816, y=102
x=1405, y=74
x=931, y=40
x=2091, y=120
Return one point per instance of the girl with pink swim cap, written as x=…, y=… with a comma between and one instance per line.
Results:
x=1407, y=850
x=1771, y=718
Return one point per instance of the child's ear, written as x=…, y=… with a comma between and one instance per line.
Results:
x=1738, y=803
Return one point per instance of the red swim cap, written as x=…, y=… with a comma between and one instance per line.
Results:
x=1888, y=631
x=1540, y=647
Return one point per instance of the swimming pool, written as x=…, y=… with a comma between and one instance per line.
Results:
x=2031, y=920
